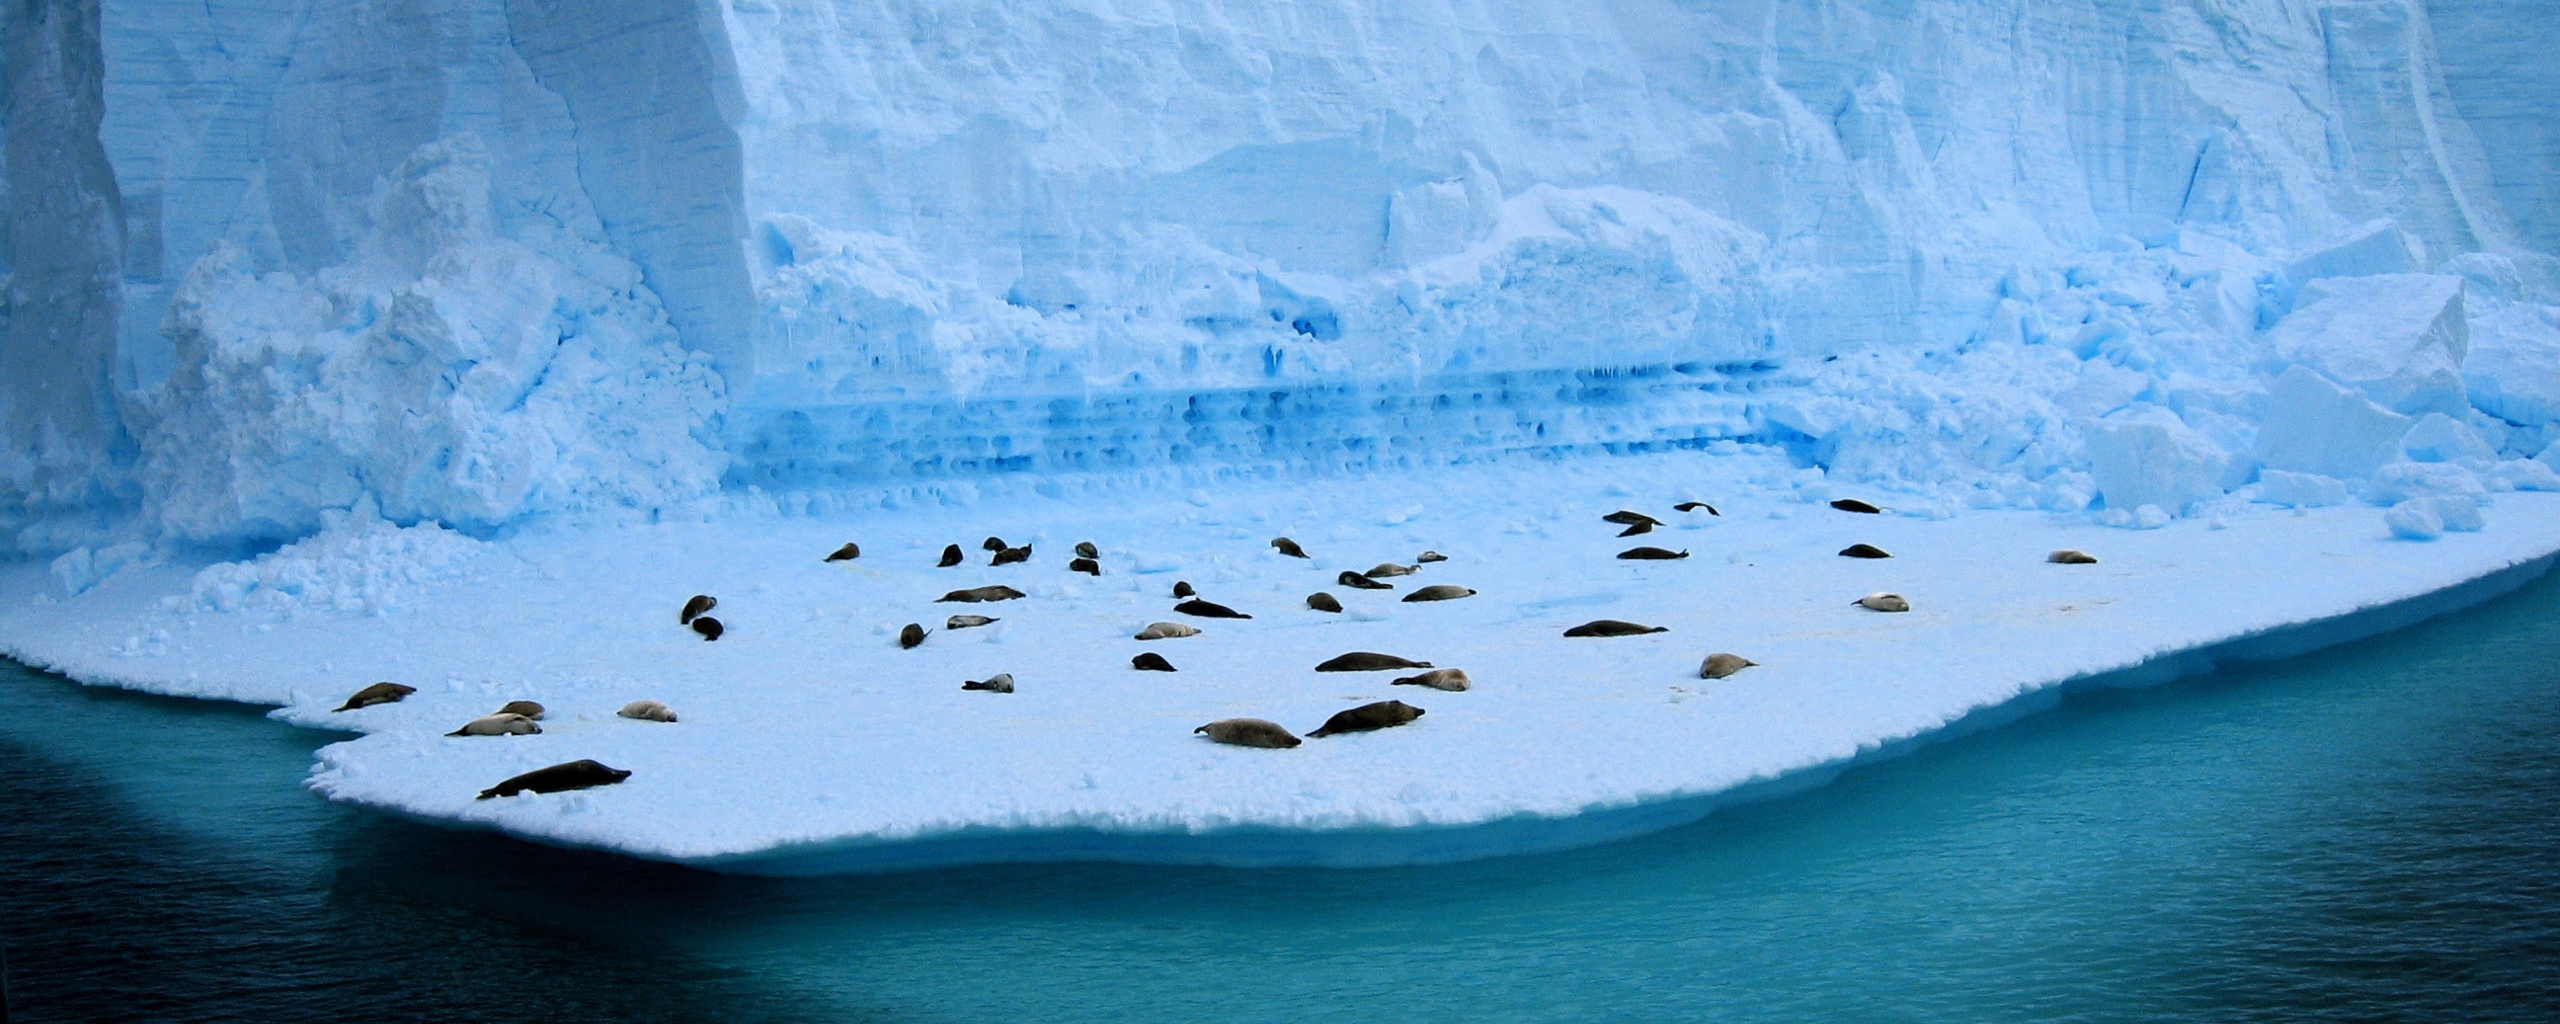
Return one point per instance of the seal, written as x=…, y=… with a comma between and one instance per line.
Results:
x=1167, y=631
x=992, y=544
x=1150, y=661
x=1884, y=602
x=580, y=774
x=1248, y=732
x=1001, y=682
x=1323, y=602
x=1182, y=588
x=847, y=553
x=1623, y=517
x=526, y=708
x=1386, y=569
x=1431, y=556
x=1652, y=554
x=1614, y=627
x=1288, y=547
x=1854, y=505
x=974, y=595
x=1636, y=529
x=1450, y=679
x=1721, y=664
x=1009, y=556
x=648, y=711
x=909, y=637
x=1086, y=566
x=378, y=693
x=1209, y=610
x=501, y=724
x=694, y=607
x=1864, y=551
x=967, y=621
x=1381, y=715
x=1439, y=592
x=1359, y=582
x=1693, y=506
x=1085, y=549
x=709, y=627
x=1368, y=661
x=950, y=556
x=2072, y=556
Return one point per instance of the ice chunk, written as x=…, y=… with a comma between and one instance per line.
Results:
x=2514, y=367
x=2376, y=247
x=2399, y=338
x=2146, y=455
x=2440, y=438
x=2403, y=480
x=2300, y=490
x=2415, y=519
x=2315, y=426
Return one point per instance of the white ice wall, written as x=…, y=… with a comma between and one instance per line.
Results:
x=1930, y=244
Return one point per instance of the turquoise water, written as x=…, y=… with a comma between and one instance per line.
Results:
x=2368, y=833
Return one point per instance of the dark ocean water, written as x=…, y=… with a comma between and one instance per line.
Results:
x=2371, y=833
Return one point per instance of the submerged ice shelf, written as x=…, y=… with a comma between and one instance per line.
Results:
x=810, y=742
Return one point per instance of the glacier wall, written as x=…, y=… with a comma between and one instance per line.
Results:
x=486, y=260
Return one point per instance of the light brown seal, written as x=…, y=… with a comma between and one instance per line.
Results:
x=1167, y=631
x=1248, y=732
x=1431, y=556
x=1323, y=602
x=558, y=778
x=2072, y=556
x=1386, y=569
x=378, y=693
x=648, y=711
x=694, y=607
x=526, y=708
x=1381, y=715
x=967, y=621
x=1884, y=602
x=500, y=724
x=1001, y=682
x=1721, y=664
x=1451, y=679
x=1085, y=549
x=1439, y=592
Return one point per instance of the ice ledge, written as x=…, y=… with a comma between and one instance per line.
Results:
x=810, y=743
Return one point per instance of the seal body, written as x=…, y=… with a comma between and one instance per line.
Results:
x=709, y=627
x=1636, y=528
x=526, y=708
x=975, y=595
x=911, y=636
x=1209, y=610
x=1368, y=661
x=1167, y=631
x=378, y=693
x=1182, y=588
x=1884, y=602
x=967, y=621
x=1864, y=551
x=1381, y=715
x=1431, y=556
x=501, y=724
x=2072, y=556
x=1721, y=664
x=1623, y=517
x=1086, y=566
x=992, y=544
x=1085, y=549
x=1651, y=554
x=950, y=556
x=1001, y=682
x=1854, y=505
x=1288, y=547
x=694, y=607
x=1359, y=582
x=1451, y=679
x=1009, y=556
x=1386, y=569
x=847, y=553
x=1695, y=506
x=648, y=711
x=1614, y=627
x=1323, y=602
x=1439, y=592
x=1150, y=661
x=1248, y=732
x=559, y=778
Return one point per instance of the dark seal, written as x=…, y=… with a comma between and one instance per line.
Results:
x=1359, y=582
x=1614, y=627
x=1288, y=547
x=378, y=693
x=1368, y=661
x=558, y=778
x=911, y=636
x=1864, y=551
x=1651, y=554
x=696, y=605
x=950, y=556
x=709, y=627
x=1151, y=662
x=1381, y=715
x=1854, y=505
x=1086, y=566
x=847, y=553
x=1209, y=610
x=1323, y=602
x=973, y=595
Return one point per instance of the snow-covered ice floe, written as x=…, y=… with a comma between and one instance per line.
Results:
x=810, y=741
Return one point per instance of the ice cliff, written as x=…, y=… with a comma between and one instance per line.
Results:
x=474, y=262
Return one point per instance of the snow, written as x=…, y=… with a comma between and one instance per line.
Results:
x=807, y=740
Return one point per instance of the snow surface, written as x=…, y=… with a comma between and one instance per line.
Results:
x=809, y=741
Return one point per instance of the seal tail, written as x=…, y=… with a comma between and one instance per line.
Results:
x=456, y=732
x=487, y=793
